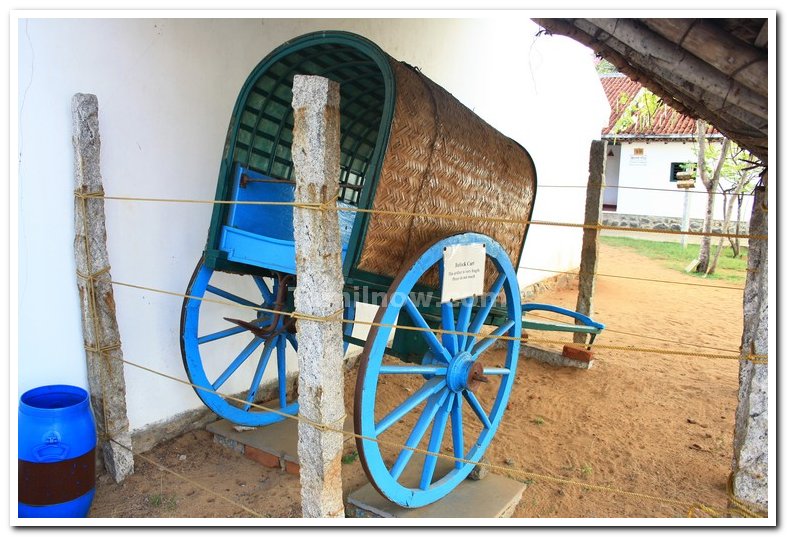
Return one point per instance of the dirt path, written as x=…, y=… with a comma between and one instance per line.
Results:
x=641, y=422
x=637, y=421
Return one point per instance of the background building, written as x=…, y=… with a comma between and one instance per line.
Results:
x=643, y=157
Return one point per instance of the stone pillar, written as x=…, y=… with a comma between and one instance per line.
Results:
x=750, y=444
x=593, y=206
x=316, y=153
x=106, y=380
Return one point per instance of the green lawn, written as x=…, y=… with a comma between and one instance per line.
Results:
x=676, y=257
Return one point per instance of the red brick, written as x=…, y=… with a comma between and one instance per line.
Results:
x=292, y=468
x=262, y=457
x=575, y=352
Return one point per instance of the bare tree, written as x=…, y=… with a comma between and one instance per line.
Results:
x=711, y=182
x=740, y=171
x=729, y=200
x=735, y=242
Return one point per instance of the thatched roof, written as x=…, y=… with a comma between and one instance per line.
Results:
x=714, y=69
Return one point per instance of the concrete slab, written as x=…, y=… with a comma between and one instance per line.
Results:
x=494, y=496
x=273, y=445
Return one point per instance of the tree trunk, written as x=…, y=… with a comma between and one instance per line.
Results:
x=707, y=227
x=736, y=242
x=710, y=184
x=728, y=203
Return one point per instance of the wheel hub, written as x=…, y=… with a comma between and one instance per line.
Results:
x=464, y=373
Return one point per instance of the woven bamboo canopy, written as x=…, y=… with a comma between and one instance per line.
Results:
x=416, y=163
x=713, y=69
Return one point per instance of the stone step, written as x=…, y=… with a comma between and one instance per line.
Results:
x=494, y=496
x=274, y=446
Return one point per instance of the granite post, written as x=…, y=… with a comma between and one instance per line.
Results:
x=106, y=379
x=750, y=442
x=593, y=205
x=316, y=153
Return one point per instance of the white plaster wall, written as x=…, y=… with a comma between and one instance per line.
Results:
x=166, y=89
x=656, y=174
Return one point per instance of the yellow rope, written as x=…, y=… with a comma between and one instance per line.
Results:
x=506, y=471
x=619, y=187
x=755, y=358
x=447, y=216
x=744, y=507
x=329, y=205
x=643, y=336
x=187, y=479
x=692, y=284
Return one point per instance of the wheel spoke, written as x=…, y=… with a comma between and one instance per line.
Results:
x=431, y=387
x=475, y=404
x=463, y=323
x=267, y=296
x=432, y=406
x=281, y=362
x=412, y=370
x=255, y=381
x=485, y=343
x=449, y=340
x=457, y=431
x=435, y=441
x=221, y=334
x=483, y=313
x=431, y=339
x=236, y=363
x=496, y=371
x=229, y=296
x=228, y=332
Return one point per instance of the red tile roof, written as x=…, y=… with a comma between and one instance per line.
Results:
x=621, y=90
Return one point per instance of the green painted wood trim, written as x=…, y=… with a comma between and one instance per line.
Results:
x=559, y=327
x=363, y=45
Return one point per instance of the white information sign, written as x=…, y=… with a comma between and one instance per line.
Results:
x=463, y=271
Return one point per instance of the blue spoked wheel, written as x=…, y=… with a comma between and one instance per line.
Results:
x=459, y=392
x=227, y=344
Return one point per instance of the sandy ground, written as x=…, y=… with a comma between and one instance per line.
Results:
x=637, y=421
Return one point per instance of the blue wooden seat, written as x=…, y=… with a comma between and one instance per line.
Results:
x=261, y=235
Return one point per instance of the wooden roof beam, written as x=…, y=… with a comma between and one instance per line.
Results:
x=705, y=40
x=665, y=55
x=762, y=37
x=741, y=132
x=695, y=95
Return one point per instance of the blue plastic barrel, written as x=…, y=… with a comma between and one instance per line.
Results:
x=57, y=453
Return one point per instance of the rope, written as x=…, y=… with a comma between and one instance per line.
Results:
x=692, y=284
x=755, y=358
x=327, y=207
x=691, y=506
x=744, y=507
x=653, y=189
x=643, y=336
x=187, y=479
